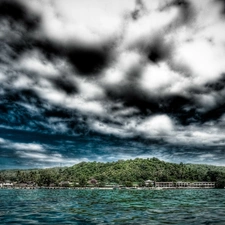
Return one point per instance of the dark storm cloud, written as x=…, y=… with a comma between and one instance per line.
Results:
x=15, y=12
x=156, y=52
x=154, y=48
x=139, y=80
x=86, y=60
x=65, y=85
x=217, y=85
x=89, y=60
x=131, y=95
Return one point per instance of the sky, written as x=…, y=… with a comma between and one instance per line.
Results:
x=102, y=80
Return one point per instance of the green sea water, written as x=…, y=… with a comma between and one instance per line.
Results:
x=92, y=207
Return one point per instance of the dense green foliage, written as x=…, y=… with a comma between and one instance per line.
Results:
x=125, y=172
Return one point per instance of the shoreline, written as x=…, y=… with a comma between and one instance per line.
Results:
x=102, y=188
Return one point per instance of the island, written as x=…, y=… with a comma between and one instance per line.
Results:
x=139, y=173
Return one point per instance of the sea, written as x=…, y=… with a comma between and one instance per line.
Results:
x=101, y=207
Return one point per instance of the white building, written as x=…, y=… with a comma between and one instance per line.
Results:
x=203, y=184
x=149, y=183
x=164, y=184
x=6, y=184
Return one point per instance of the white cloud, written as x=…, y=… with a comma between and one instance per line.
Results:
x=22, y=81
x=52, y=95
x=148, y=26
x=22, y=146
x=2, y=77
x=27, y=146
x=120, y=113
x=160, y=126
x=204, y=60
x=39, y=153
x=118, y=72
x=161, y=80
x=35, y=62
x=53, y=158
x=90, y=90
x=211, y=134
x=2, y=141
x=85, y=106
x=112, y=129
x=86, y=21
x=156, y=126
x=207, y=101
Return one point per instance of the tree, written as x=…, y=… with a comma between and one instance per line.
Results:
x=82, y=181
x=141, y=183
x=46, y=178
x=220, y=182
x=128, y=184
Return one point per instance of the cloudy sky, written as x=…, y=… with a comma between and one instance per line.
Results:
x=106, y=80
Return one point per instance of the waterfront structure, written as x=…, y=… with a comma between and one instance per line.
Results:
x=164, y=184
x=203, y=184
x=181, y=184
x=6, y=184
x=149, y=183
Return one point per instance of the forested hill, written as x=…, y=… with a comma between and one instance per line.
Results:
x=120, y=172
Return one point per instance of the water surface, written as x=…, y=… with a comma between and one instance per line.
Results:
x=92, y=207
